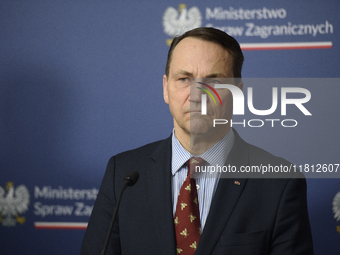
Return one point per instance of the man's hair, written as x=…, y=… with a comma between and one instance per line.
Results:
x=211, y=35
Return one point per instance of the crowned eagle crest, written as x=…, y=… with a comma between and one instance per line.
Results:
x=176, y=22
x=336, y=206
x=12, y=204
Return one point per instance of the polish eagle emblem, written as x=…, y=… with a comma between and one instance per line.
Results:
x=12, y=204
x=176, y=22
x=336, y=206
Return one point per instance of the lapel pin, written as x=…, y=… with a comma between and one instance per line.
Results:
x=237, y=183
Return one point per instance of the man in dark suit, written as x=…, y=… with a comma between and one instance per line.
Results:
x=238, y=214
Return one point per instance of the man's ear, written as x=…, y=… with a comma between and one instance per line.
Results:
x=165, y=89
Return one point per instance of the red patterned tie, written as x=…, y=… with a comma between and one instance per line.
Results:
x=187, y=216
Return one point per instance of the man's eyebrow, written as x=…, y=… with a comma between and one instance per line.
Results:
x=183, y=72
x=213, y=75
x=216, y=75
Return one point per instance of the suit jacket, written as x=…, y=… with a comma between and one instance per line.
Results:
x=250, y=216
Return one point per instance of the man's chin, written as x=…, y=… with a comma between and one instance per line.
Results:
x=198, y=127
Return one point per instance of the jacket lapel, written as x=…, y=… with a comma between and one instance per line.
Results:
x=160, y=197
x=225, y=199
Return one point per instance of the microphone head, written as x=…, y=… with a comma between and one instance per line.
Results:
x=131, y=178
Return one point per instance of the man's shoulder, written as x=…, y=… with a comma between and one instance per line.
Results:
x=253, y=153
x=261, y=161
x=145, y=150
x=141, y=159
x=258, y=155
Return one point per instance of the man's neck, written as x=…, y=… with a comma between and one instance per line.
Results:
x=197, y=144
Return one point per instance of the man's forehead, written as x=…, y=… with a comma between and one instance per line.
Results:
x=201, y=64
x=193, y=43
x=196, y=53
x=210, y=75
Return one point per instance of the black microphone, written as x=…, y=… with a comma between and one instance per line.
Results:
x=129, y=180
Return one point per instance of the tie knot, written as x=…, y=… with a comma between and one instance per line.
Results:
x=193, y=163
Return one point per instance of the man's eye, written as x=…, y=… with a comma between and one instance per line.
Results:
x=183, y=79
x=214, y=81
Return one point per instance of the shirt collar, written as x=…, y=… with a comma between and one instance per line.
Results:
x=179, y=154
x=216, y=155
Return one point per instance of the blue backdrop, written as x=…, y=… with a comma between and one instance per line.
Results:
x=82, y=80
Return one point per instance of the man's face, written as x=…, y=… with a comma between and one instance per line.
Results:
x=194, y=58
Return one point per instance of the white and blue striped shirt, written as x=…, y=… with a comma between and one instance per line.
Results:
x=216, y=155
